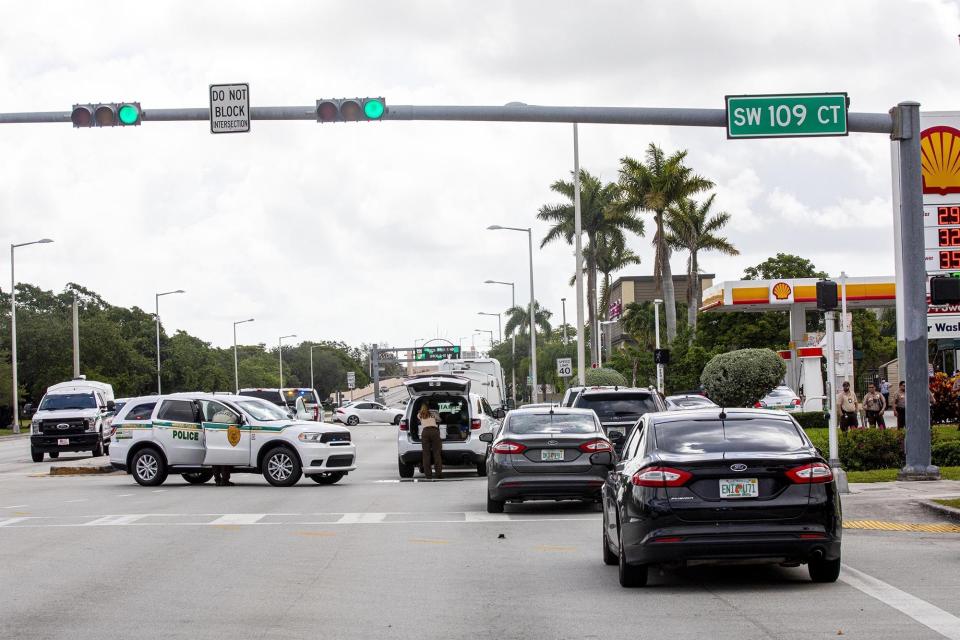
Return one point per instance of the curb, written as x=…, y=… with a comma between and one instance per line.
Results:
x=16, y=436
x=81, y=471
x=940, y=509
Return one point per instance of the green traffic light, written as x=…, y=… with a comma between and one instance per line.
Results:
x=129, y=114
x=373, y=109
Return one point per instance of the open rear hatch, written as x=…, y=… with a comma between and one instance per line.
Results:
x=436, y=383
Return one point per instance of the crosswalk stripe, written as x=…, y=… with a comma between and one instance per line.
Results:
x=8, y=521
x=115, y=520
x=238, y=518
x=362, y=518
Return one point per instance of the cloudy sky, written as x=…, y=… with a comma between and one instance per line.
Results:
x=376, y=232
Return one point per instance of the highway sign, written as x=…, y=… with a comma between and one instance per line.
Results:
x=351, y=380
x=791, y=115
x=438, y=352
x=230, y=108
x=564, y=367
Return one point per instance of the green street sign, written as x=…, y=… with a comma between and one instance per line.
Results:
x=789, y=115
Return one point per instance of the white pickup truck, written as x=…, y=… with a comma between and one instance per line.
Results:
x=72, y=416
x=190, y=433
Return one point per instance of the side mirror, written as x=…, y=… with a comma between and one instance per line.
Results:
x=486, y=437
x=28, y=410
x=603, y=458
x=111, y=405
x=499, y=414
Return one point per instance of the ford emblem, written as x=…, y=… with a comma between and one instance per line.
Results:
x=738, y=467
x=552, y=443
x=63, y=425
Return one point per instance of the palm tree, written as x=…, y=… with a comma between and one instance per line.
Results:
x=655, y=185
x=599, y=219
x=613, y=255
x=518, y=320
x=691, y=227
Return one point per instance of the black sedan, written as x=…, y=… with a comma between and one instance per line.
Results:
x=547, y=454
x=720, y=485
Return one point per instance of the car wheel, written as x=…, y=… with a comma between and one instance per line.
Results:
x=98, y=449
x=406, y=470
x=482, y=469
x=824, y=570
x=53, y=455
x=494, y=506
x=281, y=467
x=148, y=467
x=328, y=478
x=631, y=575
x=609, y=557
x=37, y=455
x=353, y=421
x=396, y=420
x=197, y=478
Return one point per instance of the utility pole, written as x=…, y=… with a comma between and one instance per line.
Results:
x=578, y=270
x=76, y=338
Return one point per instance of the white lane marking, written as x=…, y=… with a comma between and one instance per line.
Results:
x=159, y=490
x=15, y=506
x=115, y=520
x=386, y=482
x=123, y=495
x=362, y=518
x=944, y=623
x=482, y=516
x=238, y=518
x=80, y=500
x=9, y=521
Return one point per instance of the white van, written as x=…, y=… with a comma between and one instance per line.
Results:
x=73, y=416
x=486, y=374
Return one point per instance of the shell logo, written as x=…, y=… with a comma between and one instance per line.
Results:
x=781, y=291
x=940, y=160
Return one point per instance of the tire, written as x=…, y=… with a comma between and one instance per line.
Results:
x=53, y=455
x=36, y=455
x=630, y=575
x=482, y=469
x=98, y=449
x=148, y=467
x=406, y=470
x=824, y=570
x=494, y=506
x=281, y=467
x=327, y=478
x=396, y=420
x=353, y=421
x=199, y=477
x=609, y=557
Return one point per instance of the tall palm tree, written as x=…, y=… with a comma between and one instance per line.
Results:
x=691, y=227
x=518, y=320
x=653, y=186
x=613, y=255
x=598, y=219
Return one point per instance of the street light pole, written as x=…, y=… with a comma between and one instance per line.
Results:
x=236, y=370
x=499, y=326
x=578, y=271
x=280, y=349
x=490, y=331
x=656, y=333
x=563, y=302
x=157, y=317
x=513, y=338
x=311, y=364
x=13, y=333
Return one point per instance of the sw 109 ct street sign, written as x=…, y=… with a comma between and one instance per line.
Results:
x=791, y=115
x=230, y=108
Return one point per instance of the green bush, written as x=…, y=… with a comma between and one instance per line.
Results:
x=820, y=439
x=946, y=454
x=812, y=419
x=867, y=449
x=741, y=378
x=605, y=378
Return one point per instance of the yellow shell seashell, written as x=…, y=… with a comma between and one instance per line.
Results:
x=781, y=291
x=940, y=160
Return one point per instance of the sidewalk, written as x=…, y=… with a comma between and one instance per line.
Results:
x=82, y=466
x=896, y=501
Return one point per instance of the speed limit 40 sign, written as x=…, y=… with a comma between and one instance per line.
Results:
x=564, y=367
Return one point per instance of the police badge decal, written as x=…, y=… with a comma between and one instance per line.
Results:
x=233, y=435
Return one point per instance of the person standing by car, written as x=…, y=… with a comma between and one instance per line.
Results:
x=874, y=405
x=847, y=408
x=899, y=403
x=430, y=441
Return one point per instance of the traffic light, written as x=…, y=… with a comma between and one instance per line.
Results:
x=350, y=109
x=944, y=290
x=661, y=356
x=826, y=295
x=106, y=114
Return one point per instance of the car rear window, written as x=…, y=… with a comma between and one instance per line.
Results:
x=716, y=436
x=292, y=394
x=263, y=394
x=781, y=393
x=526, y=423
x=617, y=405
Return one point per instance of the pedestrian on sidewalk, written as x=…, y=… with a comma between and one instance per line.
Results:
x=847, y=408
x=874, y=405
x=430, y=442
x=885, y=391
x=899, y=403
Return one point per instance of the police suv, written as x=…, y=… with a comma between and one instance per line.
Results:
x=190, y=433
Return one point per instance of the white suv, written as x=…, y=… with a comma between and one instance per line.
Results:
x=463, y=417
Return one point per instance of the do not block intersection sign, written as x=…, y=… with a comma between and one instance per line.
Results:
x=230, y=108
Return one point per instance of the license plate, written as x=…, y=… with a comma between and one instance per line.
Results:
x=739, y=488
x=551, y=455
x=63, y=441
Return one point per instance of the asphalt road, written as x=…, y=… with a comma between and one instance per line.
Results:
x=372, y=557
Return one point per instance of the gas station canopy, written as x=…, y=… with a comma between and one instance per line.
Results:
x=797, y=293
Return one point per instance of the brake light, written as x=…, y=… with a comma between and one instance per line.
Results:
x=669, y=539
x=316, y=414
x=660, y=477
x=796, y=402
x=596, y=446
x=508, y=446
x=813, y=536
x=404, y=425
x=758, y=405
x=813, y=473
x=475, y=424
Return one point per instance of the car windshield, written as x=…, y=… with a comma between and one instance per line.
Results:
x=270, y=395
x=63, y=401
x=780, y=393
x=716, y=436
x=291, y=396
x=528, y=423
x=614, y=405
x=694, y=401
x=262, y=410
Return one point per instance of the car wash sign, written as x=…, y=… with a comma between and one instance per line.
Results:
x=790, y=115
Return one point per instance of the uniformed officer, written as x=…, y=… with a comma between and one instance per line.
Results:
x=221, y=476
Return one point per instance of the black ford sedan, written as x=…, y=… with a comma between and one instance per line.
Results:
x=720, y=485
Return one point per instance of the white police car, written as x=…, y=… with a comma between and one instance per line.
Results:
x=190, y=433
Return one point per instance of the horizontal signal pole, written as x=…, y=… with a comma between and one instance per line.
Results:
x=858, y=122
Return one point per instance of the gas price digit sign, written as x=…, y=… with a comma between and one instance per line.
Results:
x=941, y=237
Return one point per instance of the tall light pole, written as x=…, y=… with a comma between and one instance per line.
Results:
x=656, y=333
x=513, y=337
x=578, y=270
x=157, y=316
x=563, y=303
x=280, y=349
x=312, y=347
x=236, y=370
x=533, y=331
x=499, y=326
x=13, y=332
x=490, y=331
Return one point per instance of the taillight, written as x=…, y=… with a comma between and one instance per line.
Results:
x=758, y=405
x=508, y=446
x=661, y=477
x=595, y=446
x=813, y=473
x=404, y=425
x=316, y=414
x=796, y=402
x=475, y=424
